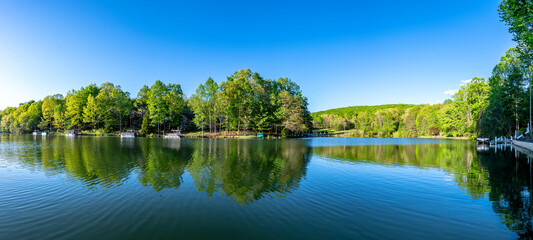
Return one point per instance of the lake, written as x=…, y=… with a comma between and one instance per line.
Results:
x=320, y=188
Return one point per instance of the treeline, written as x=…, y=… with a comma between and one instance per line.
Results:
x=456, y=117
x=497, y=107
x=244, y=102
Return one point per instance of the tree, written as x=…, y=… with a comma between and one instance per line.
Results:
x=204, y=104
x=507, y=108
x=90, y=112
x=34, y=115
x=238, y=93
x=112, y=105
x=7, y=119
x=293, y=112
x=469, y=103
x=76, y=101
x=51, y=105
x=140, y=106
x=518, y=15
x=434, y=131
x=145, y=124
x=199, y=106
x=165, y=104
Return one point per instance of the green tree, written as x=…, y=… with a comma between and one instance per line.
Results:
x=51, y=105
x=518, y=15
x=165, y=104
x=76, y=101
x=293, y=112
x=507, y=105
x=113, y=105
x=90, y=112
x=145, y=127
x=205, y=106
x=34, y=114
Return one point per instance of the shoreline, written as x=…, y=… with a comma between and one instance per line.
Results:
x=523, y=144
x=241, y=136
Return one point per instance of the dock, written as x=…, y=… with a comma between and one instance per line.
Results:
x=176, y=134
x=494, y=142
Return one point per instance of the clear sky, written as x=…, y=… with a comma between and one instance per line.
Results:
x=341, y=53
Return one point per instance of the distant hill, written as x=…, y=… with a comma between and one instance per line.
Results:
x=354, y=110
x=389, y=120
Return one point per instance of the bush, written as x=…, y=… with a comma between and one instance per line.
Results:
x=434, y=131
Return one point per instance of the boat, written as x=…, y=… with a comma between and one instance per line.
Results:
x=45, y=133
x=482, y=147
x=36, y=132
x=173, y=134
x=128, y=134
x=71, y=133
x=260, y=135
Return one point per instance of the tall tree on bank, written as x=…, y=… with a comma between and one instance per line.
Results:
x=237, y=91
x=140, y=105
x=293, y=112
x=204, y=104
x=76, y=101
x=507, y=105
x=518, y=15
x=90, y=112
x=165, y=104
x=113, y=105
x=51, y=105
x=470, y=102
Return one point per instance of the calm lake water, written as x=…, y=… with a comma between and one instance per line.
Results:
x=321, y=188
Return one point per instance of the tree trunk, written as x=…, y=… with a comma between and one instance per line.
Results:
x=516, y=116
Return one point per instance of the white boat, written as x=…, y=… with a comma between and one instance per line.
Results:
x=173, y=134
x=36, y=132
x=128, y=134
x=71, y=133
x=44, y=133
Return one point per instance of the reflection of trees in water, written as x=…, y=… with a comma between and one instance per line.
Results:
x=243, y=170
x=506, y=180
x=248, y=170
x=162, y=164
x=510, y=184
x=94, y=161
x=459, y=159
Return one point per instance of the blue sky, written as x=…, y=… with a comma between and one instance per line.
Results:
x=341, y=53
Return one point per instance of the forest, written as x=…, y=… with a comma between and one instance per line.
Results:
x=496, y=107
x=244, y=102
